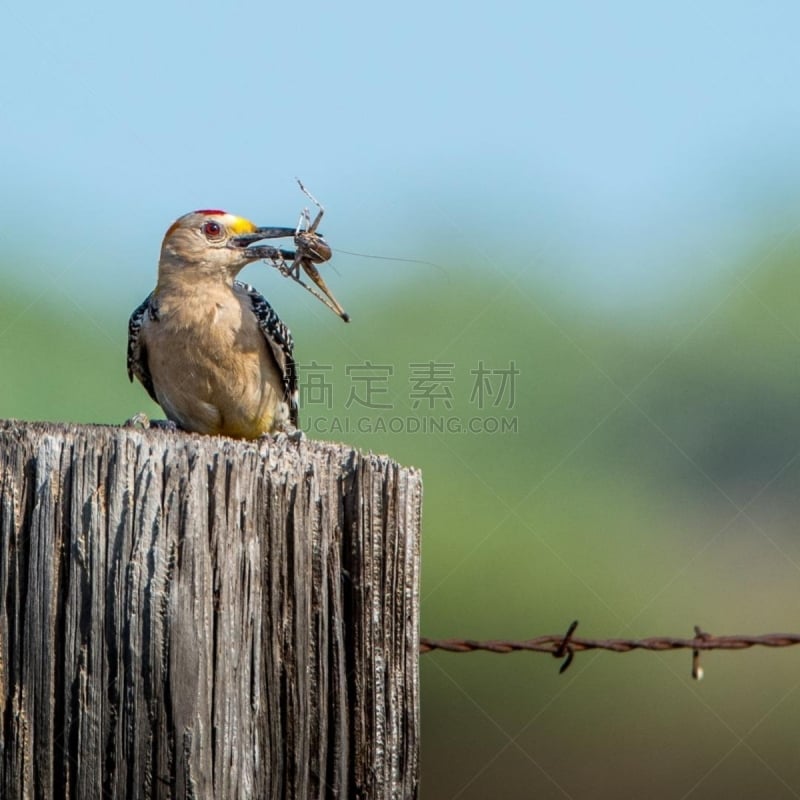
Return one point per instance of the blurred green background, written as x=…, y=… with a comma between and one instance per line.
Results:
x=607, y=201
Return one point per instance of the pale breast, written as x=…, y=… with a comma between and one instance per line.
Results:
x=212, y=370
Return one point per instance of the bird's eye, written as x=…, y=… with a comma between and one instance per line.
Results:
x=212, y=229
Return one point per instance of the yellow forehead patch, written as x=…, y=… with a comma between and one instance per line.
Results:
x=240, y=225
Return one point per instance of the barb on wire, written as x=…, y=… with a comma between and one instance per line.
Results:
x=566, y=645
x=564, y=648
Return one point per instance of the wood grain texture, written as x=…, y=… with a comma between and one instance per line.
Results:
x=197, y=617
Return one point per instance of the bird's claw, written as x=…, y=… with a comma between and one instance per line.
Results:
x=164, y=425
x=293, y=435
x=140, y=420
x=143, y=422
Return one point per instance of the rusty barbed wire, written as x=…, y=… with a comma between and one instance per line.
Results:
x=565, y=646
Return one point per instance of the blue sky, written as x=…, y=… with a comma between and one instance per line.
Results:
x=614, y=143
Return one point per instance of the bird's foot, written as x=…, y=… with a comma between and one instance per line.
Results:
x=291, y=435
x=140, y=420
x=296, y=435
x=164, y=425
x=143, y=422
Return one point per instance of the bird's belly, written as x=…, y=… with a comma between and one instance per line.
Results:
x=219, y=386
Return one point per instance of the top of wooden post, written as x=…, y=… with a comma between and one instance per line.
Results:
x=278, y=448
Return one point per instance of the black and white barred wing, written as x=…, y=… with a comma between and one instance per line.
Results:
x=137, y=352
x=280, y=341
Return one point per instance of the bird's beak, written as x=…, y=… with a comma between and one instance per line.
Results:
x=259, y=234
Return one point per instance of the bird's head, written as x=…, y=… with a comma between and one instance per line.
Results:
x=214, y=243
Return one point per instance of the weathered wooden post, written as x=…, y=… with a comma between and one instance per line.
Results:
x=194, y=617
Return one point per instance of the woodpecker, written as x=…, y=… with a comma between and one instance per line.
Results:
x=209, y=349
